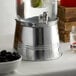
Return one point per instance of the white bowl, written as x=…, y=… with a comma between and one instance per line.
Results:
x=6, y=67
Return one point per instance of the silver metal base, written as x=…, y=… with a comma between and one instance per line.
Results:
x=38, y=54
x=38, y=41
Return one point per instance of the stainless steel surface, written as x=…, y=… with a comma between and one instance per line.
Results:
x=38, y=41
x=26, y=10
x=43, y=18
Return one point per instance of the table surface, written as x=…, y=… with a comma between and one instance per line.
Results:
x=28, y=68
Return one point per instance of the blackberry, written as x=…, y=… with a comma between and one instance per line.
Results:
x=16, y=55
x=3, y=52
x=3, y=59
x=8, y=56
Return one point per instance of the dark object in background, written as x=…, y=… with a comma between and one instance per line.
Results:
x=67, y=19
x=20, y=8
x=18, y=32
x=66, y=26
x=67, y=14
x=64, y=36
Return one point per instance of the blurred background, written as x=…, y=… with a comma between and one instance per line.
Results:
x=7, y=16
x=7, y=22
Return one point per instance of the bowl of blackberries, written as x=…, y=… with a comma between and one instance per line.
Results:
x=9, y=61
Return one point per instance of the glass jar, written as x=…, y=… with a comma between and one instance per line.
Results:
x=31, y=8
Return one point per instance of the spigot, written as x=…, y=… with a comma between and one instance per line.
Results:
x=43, y=18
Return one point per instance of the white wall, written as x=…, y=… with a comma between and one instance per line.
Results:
x=7, y=16
x=7, y=23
